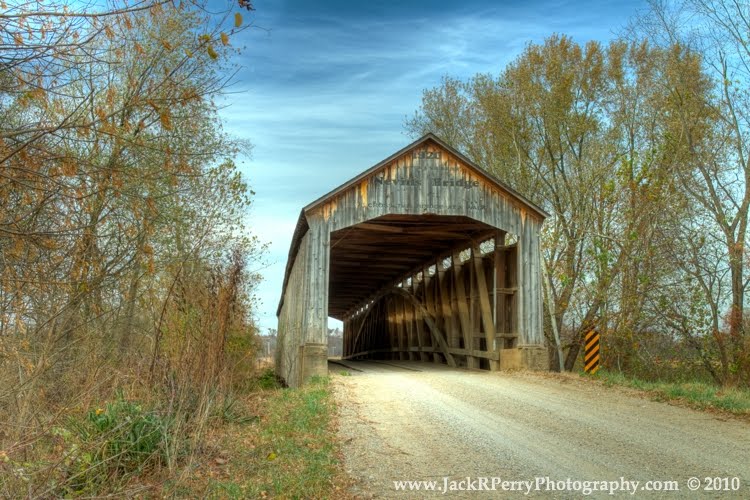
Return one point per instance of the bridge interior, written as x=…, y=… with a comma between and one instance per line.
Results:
x=426, y=288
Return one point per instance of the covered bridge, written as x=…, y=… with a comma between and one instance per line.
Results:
x=425, y=256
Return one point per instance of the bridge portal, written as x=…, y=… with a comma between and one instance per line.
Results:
x=425, y=256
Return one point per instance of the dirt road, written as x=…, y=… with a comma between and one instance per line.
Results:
x=545, y=436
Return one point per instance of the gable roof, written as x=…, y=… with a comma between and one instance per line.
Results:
x=429, y=137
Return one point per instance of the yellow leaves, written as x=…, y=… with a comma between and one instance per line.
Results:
x=188, y=94
x=166, y=119
x=108, y=127
x=165, y=116
x=156, y=10
x=109, y=32
x=211, y=52
x=111, y=95
x=83, y=131
x=27, y=365
x=166, y=45
x=68, y=168
x=224, y=38
x=151, y=205
x=117, y=183
x=35, y=94
x=272, y=456
x=237, y=20
x=16, y=249
x=18, y=38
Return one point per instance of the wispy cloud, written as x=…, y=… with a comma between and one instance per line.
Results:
x=325, y=86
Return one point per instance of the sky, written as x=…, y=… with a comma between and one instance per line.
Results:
x=324, y=88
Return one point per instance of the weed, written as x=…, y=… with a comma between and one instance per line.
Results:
x=111, y=447
x=230, y=412
x=268, y=380
x=118, y=440
x=225, y=489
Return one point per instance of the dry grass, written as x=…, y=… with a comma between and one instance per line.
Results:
x=88, y=414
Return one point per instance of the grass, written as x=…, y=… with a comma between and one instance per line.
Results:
x=698, y=395
x=289, y=451
x=263, y=442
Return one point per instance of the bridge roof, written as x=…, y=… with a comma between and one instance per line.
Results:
x=429, y=137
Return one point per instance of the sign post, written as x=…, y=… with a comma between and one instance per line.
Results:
x=591, y=353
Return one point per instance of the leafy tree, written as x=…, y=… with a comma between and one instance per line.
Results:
x=633, y=148
x=710, y=112
x=118, y=190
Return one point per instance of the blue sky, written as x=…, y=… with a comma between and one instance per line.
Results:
x=324, y=88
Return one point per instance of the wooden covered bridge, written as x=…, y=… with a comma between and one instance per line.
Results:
x=424, y=256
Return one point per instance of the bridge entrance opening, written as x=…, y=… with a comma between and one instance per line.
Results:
x=425, y=288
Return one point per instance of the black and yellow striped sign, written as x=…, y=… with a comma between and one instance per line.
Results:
x=591, y=353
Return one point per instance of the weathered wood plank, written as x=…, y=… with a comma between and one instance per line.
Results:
x=436, y=333
x=462, y=307
x=485, y=308
x=448, y=306
x=419, y=318
x=409, y=324
x=400, y=320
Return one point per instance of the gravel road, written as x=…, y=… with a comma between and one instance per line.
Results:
x=404, y=421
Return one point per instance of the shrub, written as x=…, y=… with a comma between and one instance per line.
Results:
x=118, y=440
x=268, y=380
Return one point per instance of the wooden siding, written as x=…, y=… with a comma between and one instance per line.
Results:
x=427, y=180
x=293, y=317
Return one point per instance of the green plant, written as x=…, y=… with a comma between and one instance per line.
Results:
x=230, y=412
x=268, y=380
x=696, y=394
x=120, y=439
x=296, y=455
